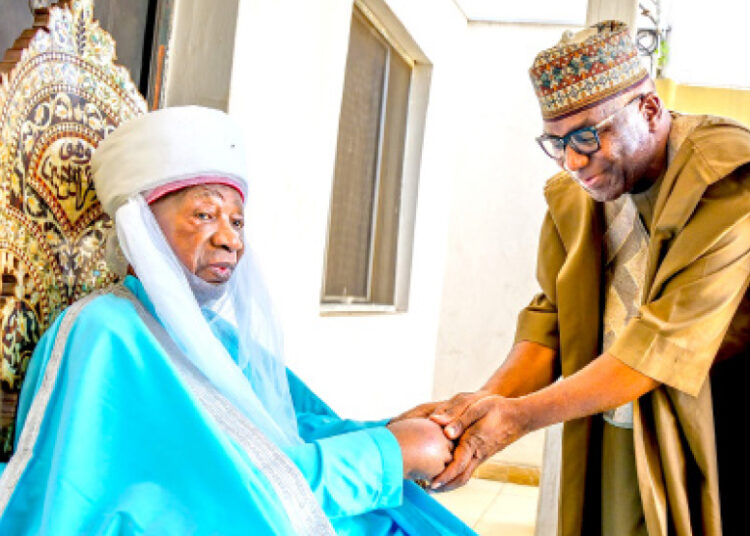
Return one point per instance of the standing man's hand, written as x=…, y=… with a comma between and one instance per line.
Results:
x=421, y=411
x=485, y=424
x=424, y=447
x=443, y=411
x=450, y=410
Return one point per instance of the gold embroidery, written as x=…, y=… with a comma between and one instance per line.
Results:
x=59, y=100
x=626, y=256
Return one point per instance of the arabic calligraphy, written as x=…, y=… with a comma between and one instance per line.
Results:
x=65, y=169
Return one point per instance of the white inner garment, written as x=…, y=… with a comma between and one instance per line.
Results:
x=243, y=302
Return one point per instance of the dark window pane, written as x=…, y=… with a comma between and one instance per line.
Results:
x=15, y=17
x=126, y=20
x=351, y=221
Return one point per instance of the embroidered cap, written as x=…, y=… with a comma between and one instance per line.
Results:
x=585, y=69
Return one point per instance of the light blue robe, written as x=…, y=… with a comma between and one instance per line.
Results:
x=124, y=449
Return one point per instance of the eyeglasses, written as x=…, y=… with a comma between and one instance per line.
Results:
x=584, y=140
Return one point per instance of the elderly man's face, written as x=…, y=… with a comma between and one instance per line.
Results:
x=625, y=147
x=203, y=224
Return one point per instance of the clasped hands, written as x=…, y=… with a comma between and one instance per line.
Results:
x=444, y=442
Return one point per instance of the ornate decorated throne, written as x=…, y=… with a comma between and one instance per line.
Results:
x=60, y=95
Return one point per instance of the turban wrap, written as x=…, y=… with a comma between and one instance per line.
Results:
x=166, y=150
x=151, y=156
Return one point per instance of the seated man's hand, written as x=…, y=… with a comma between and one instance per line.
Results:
x=485, y=424
x=424, y=447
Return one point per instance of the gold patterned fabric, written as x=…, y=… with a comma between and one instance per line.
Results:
x=625, y=249
x=697, y=278
x=61, y=98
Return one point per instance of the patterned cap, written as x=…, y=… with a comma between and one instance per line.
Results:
x=584, y=69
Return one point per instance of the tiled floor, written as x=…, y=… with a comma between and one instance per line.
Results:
x=494, y=508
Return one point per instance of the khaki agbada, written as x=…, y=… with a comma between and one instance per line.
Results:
x=697, y=274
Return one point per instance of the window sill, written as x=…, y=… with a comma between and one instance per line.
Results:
x=359, y=309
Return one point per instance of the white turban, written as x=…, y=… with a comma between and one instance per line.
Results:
x=160, y=152
x=167, y=146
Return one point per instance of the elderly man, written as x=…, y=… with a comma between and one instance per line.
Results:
x=644, y=260
x=162, y=406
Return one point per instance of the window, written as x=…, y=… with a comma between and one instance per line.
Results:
x=362, y=265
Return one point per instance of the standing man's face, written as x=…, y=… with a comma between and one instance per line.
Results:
x=619, y=164
x=203, y=225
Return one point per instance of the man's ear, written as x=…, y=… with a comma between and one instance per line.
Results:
x=652, y=109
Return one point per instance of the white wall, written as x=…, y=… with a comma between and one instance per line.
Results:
x=534, y=11
x=708, y=42
x=286, y=88
x=496, y=213
x=497, y=206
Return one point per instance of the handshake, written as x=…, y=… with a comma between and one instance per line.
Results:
x=444, y=442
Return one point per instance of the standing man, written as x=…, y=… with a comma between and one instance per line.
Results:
x=644, y=260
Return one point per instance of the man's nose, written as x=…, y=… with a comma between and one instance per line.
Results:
x=573, y=160
x=228, y=236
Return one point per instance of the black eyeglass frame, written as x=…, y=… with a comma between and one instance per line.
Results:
x=569, y=138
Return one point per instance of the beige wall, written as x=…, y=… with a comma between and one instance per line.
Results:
x=622, y=10
x=199, y=66
x=727, y=102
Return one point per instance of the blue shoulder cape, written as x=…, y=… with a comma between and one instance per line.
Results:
x=124, y=449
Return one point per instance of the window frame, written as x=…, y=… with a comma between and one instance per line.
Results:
x=392, y=32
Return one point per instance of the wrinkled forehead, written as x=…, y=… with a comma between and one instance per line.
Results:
x=184, y=198
x=588, y=117
x=218, y=192
x=563, y=126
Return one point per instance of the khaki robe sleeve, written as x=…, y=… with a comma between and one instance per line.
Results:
x=537, y=322
x=676, y=335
